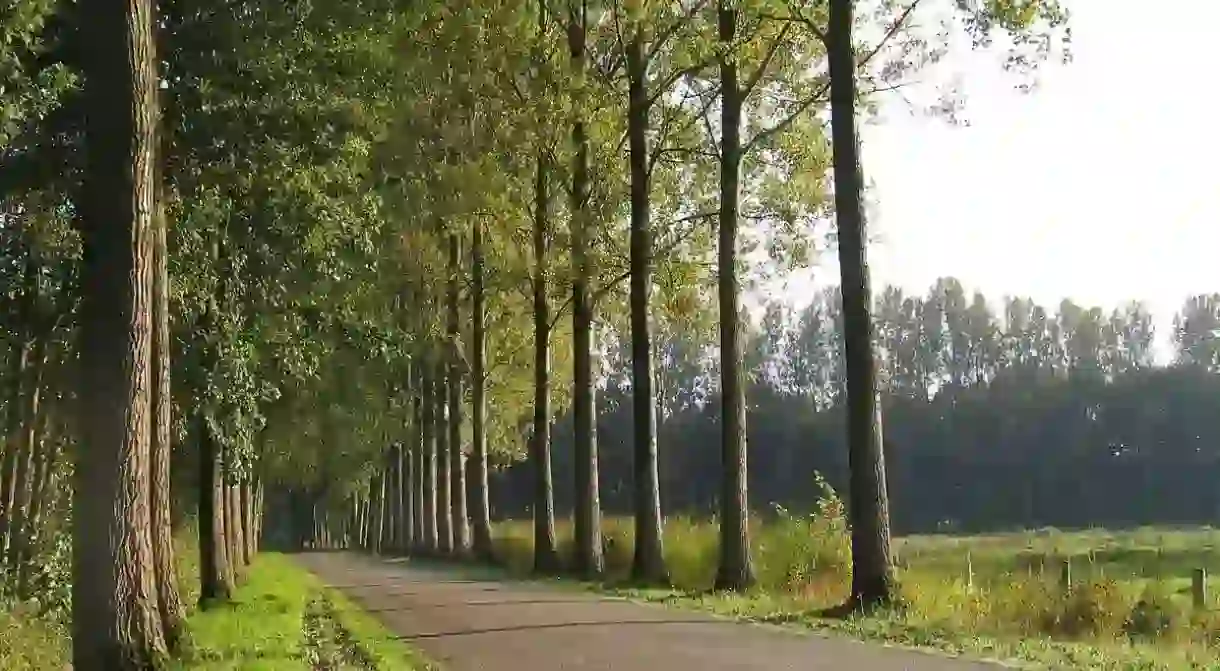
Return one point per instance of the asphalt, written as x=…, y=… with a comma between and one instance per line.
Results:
x=469, y=624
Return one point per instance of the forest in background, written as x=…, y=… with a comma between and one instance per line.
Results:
x=997, y=414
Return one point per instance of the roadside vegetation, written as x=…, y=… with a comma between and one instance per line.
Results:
x=1127, y=604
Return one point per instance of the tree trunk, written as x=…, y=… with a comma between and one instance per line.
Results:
x=417, y=458
x=546, y=557
x=479, y=494
x=18, y=373
x=169, y=601
x=23, y=486
x=457, y=473
x=215, y=583
x=872, y=579
x=431, y=539
x=44, y=465
x=236, y=526
x=406, y=467
x=397, y=504
x=377, y=497
x=247, y=511
x=115, y=623
x=589, y=562
x=648, y=562
x=735, y=571
x=444, y=502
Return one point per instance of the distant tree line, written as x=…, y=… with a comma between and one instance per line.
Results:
x=1026, y=416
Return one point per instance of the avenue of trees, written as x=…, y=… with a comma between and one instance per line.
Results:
x=318, y=266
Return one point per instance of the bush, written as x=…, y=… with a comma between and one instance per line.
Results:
x=797, y=551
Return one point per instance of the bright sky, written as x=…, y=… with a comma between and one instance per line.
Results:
x=1100, y=185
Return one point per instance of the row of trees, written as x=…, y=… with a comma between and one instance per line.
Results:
x=346, y=229
x=1017, y=441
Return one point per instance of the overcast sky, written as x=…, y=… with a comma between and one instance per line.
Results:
x=1101, y=185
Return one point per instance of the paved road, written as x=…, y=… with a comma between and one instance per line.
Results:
x=480, y=625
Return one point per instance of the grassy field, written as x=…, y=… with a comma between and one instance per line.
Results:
x=281, y=618
x=1127, y=605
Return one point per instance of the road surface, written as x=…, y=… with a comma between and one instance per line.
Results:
x=469, y=624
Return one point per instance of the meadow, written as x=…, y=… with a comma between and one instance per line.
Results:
x=1125, y=601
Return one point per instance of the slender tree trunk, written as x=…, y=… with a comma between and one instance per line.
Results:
x=428, y=457
x=444, y=502
x=247, y=513
x=406, y=466
x=735, y=571
x=872, y=579
x=47, y=458
x=587, y=523
x=169, y=601
x=115, y=622
x=27, y=439
x=546, y=557
x=18, y=373
x=236, y=528
x=457, y=474
x=214, y=572
x=479, y=494
x=397, y=500
x=648, y=562
x=378, y=501
x=417, y=457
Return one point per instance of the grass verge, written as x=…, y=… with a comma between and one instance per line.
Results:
x=282, y=618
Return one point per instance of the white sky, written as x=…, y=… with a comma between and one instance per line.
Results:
x=1100, y=185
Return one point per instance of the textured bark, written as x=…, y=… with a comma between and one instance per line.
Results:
x=169, y=601
x=648, y=562
x=735, y=570
x=431, y=541
x=477, y=481
x=215, y=576
x=235, y=527
x=377, y=518
x=115, y=623
x=546, y=556
x=589, y=561
x=872, y=578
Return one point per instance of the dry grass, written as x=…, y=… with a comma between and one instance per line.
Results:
x=1128, y=605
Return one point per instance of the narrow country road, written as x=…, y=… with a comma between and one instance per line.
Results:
x=467, y=624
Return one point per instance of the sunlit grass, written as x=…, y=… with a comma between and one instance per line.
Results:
x=1128, y=604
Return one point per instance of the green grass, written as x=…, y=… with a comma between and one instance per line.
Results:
x=996, y=596
x=281, y=618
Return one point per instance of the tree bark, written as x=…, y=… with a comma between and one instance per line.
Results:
x=589, y=561
x=735, y=570
x=377, y=497
x=444, y=499
x=115, y=623
x=479, y=494
x=44, y=465
x=417, y=457
x=457, y=472
x=431, y=539
x=18, y=373
x=23, y=489
x=215, y=581
x=546, y=556
x=169, y=601
x=872, y=579
x=648, y=562
x=235, y=526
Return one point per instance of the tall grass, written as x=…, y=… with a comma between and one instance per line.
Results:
x=1128, y=588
